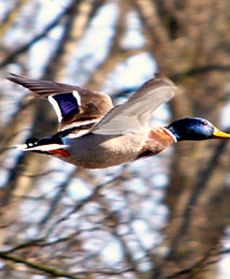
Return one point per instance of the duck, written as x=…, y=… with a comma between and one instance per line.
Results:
x=92, y=133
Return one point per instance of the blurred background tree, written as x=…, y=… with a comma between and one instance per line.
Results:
x=162, y=217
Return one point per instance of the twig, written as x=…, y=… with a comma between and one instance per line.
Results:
x=55, y=272
x=198, y=265
x=200, y=70
x=200, y=183
x=61, y=190
x=84, y=201
x=12, y=56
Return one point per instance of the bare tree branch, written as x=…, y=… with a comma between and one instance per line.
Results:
x=12, y=56
x=55, y=272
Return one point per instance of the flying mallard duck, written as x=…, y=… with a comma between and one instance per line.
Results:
x=94, y=134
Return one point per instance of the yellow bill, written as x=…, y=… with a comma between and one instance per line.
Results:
x=221, y=135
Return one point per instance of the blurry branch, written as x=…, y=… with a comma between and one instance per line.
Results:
x=200, y=183
x=200, y=70
x=157, y=33
x=12, y=56
x=148, y=12
x=115, y=54
x=84, y=201
x=35, y=242
x=199, y=266
x=55, y=272
x=112, y=223
x=42, y=242
x=82, y=14
x=17, y=123
x=11, y=16
x=110, y=273
x=50, y=72
x=98, y=77
x=16, y=186
x=39, y=175
x=15, y=126
x=192, y=270
x=5, y=195
x=61, y=190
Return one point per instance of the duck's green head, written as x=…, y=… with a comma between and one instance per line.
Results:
x=194, y=128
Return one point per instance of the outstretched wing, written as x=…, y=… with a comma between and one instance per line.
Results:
x=73, y=105
x=135, y=114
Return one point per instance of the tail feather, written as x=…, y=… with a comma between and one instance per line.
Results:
x=49, y=145
x=41, y=148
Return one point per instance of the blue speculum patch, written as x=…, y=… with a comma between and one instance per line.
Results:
x=67, y=103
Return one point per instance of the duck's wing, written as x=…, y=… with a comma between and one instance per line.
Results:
x=135, y=114
x=74, y=106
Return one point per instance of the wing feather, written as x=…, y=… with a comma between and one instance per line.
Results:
x=73, y=105
x=135, y=114
x=42, y=88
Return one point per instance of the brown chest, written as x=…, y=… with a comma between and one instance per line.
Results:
x=158, y=139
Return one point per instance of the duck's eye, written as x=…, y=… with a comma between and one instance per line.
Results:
x=206, y=123
x=32, y=142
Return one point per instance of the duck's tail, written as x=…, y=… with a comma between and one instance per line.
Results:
x=49, y=145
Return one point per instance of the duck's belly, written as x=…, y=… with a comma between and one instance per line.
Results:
x=98, y=151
